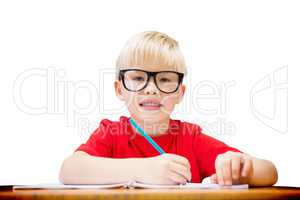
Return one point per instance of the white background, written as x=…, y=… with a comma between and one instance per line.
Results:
x=57, y=59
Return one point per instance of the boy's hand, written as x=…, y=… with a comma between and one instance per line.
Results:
x=232, y=168
x=166, y=169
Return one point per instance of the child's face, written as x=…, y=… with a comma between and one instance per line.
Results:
x=150, y=101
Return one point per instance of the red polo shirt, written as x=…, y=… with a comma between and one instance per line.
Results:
x=117, y=139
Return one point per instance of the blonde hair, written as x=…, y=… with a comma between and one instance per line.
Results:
x=151, y=47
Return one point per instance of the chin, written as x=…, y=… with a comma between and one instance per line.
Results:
x=152, y=117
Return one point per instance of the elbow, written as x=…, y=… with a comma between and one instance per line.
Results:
x=63, y=175
x=265, y=174
x=274, y=174
x=62, y=178
x=67, y=172
x=272, y=178
x=72, y=168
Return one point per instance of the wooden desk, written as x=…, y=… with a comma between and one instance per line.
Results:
x=144, y=194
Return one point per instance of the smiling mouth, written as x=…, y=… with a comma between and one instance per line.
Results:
x=150, y=105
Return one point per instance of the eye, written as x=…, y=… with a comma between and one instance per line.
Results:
x=138, y=78
x=164, y=80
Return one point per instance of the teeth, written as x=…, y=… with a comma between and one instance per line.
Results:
x=150, y=104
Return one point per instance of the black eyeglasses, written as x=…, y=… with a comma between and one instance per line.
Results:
x=135, y=80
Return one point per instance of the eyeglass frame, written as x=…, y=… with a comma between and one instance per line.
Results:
x=149, y=75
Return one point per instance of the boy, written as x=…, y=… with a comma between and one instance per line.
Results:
x=150, y=69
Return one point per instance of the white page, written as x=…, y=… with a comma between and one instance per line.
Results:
x=62, y=186
x=130, y=185
x=189, y=186
x=213, y=186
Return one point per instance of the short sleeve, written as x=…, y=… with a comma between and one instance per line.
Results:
x=207, y=149
x=99, y=143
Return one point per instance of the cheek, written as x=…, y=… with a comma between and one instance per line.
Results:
x=169, y=101
x=130, y=99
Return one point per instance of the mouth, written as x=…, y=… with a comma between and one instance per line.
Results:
x=150, y=104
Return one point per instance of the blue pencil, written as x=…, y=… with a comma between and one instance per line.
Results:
x=148, y=138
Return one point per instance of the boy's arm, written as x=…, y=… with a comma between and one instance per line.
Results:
x=81, y=168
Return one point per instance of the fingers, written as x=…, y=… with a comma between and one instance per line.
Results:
x=181, y=170
x=176, y=177
x=181, y=160
x=219, y=171
x=247, y=167
x=213, y=179
x=235, y=168
x=226, y=172
x=232, y=168
x=178, y=168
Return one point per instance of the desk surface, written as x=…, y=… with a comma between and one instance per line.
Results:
x=144, y=194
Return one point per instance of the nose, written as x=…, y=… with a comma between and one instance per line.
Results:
x=151, y=87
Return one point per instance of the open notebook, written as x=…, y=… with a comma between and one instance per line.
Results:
x=132, y=185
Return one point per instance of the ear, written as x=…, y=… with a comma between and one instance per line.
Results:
x=118, y=90
x=181, y=93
